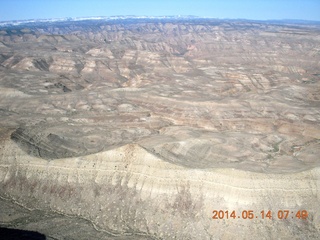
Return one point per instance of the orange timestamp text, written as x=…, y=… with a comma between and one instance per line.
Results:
x=264, y=214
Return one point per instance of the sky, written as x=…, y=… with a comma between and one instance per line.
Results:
x=244, y=9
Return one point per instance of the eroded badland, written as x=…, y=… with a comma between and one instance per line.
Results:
x=139, y=129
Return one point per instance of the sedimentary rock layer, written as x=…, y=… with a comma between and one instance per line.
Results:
x=128, y=190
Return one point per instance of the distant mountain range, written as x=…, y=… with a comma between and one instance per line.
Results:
x=132, y=17
x=110, y=18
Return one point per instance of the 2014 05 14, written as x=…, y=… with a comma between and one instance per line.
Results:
x=264, y=214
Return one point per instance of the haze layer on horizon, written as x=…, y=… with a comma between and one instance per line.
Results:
x=245, y=9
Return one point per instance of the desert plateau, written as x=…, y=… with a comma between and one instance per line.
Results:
x=160, y=128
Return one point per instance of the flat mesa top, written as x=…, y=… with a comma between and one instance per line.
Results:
x=199, y=93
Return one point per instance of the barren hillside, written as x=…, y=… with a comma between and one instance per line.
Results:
x=143, y=127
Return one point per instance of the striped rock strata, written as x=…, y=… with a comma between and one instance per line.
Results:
x=128, y=191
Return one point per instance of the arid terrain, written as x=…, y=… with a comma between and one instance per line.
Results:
x=141, y=128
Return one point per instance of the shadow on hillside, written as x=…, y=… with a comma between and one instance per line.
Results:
x=16, y=234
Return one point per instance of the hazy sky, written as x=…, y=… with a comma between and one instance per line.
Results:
x=249, y=9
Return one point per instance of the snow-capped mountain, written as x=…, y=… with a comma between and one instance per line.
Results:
x=110, y=18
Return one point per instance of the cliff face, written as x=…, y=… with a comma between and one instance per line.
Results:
x=146, y=127
x=131, y=192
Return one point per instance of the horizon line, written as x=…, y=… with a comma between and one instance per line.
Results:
x=119, y=17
